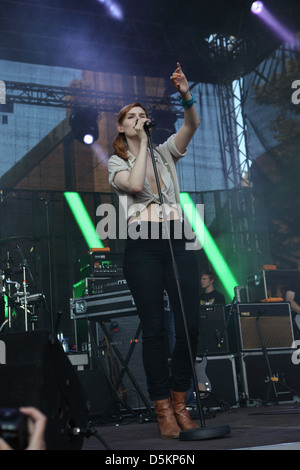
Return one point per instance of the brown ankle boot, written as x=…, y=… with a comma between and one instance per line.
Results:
x=167, y=423
x=181, y=413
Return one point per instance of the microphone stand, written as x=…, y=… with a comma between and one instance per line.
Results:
x=201, y=432
x=222, y=336
x=46, y=202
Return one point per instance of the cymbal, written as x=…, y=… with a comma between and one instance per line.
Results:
x=13, y=241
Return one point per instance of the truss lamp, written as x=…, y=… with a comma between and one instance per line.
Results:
x=257, y=7
x=84, y=126
x=113, y=9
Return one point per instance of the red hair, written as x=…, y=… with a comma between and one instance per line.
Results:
x=119, y=143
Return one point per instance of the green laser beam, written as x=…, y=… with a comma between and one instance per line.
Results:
x=212, y=251
x=83, y=220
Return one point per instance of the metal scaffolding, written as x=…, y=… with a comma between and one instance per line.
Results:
x=72, y=97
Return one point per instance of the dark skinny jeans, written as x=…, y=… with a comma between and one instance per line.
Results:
x=148, y=270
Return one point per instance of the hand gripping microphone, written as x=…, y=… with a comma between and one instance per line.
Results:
x=148, y=124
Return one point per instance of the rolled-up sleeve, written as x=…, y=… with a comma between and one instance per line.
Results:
x=169, y=147
x=115, y=164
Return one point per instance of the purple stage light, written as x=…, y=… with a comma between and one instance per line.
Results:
x=116, y=11
x=257, y=7
x=113, y=8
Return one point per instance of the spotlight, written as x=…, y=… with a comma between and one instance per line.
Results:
x=113, y=9
x=289, y=37
x=88, y=139
x=257, y=7
x=84, y=125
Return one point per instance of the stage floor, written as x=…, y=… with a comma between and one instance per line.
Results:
x=262, y=427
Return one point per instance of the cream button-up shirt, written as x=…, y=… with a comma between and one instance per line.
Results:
x=166, y=156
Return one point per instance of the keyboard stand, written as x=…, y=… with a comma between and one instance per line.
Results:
x=125, y=362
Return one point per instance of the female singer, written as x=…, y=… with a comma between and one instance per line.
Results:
x=148, y=266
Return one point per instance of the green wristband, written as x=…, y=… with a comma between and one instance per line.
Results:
x=187, y=104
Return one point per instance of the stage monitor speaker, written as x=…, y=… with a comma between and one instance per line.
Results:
x=37, y=372
x=274, y=320
x=212, y=337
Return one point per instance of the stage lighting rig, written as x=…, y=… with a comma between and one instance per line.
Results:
x=84, y=125
x=225, y=46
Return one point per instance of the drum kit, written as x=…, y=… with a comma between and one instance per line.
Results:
x=18, y=307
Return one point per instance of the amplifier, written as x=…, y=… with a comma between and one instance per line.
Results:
x=96, y=285
x=256, y=376
x=98, y=263
x=271, y=283
x=212, y=337
x=114, y=301
x=274, y=320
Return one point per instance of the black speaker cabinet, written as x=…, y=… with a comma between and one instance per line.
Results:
x=256, y=376
x=38, y=373
x=98, y=390
x=270, y=322
x=212, y=330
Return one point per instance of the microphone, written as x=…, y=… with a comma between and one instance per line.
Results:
x=149, y=124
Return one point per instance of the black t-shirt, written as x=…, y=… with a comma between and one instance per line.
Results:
x=213, y=297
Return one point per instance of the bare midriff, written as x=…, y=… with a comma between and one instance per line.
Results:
x=149, y=214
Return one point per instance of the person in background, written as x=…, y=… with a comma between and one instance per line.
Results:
x=293, y=297
x=210, y=295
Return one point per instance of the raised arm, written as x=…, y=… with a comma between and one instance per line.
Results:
x=191, y=118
